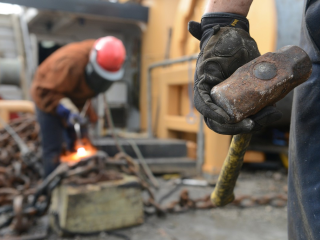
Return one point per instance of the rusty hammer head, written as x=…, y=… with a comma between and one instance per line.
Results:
x=262, y=82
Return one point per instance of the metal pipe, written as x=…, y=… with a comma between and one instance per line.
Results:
x=77, y=129
x=100, y=112
x=10, y=71
x=149, y=85
x=200, y=146
x=30, y=65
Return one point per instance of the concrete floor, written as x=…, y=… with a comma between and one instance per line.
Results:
x=223, y=224
x=229, y=223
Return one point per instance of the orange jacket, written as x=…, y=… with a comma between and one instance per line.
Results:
x=61, y=75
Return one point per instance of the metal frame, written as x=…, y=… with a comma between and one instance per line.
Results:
x=149, y=85
x=126, y=11
x=200, y=135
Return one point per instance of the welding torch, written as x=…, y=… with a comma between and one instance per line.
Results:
x=77, y=124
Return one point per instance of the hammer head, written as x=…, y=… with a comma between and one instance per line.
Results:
x=262, y=82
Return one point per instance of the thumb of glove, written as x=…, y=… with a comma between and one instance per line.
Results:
x=265, y=117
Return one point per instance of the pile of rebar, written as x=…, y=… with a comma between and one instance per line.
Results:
x=15, y=176
x=24, y=196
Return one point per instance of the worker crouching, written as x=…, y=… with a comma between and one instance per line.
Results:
x=62, y=85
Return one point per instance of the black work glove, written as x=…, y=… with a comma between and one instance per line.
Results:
x=225, y=46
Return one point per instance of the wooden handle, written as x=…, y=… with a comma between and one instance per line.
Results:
x=223, y=192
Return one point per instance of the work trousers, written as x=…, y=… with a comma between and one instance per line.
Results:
x=304, y=146
x=53, y=136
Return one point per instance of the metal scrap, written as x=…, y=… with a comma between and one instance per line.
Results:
x=24, y=196
x=185, y=203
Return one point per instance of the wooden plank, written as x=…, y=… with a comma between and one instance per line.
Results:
x=162, y=131
x=173, y=103
x=185, y=100
x=254, y=157
x=156, y=104
x=8, y=106
x=192, y=149
x=179, y=123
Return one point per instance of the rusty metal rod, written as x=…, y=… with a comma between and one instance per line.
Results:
x=22, y=146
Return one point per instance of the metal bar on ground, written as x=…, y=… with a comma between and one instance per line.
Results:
x=22, y=145
x=143, y=163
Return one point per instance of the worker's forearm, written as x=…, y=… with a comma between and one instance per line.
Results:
x=230, y=6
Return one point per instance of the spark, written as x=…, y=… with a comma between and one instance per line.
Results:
x=81, y=152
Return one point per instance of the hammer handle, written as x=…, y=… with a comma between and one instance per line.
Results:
x=223, y=192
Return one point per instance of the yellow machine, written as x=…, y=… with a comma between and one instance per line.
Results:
x=166, y=38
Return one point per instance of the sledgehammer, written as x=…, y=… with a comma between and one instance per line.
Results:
x=257, y=84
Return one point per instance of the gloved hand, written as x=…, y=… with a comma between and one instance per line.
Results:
x=68, y=111
x=225, y=46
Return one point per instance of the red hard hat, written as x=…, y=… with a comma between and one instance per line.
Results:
x=110, y=53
